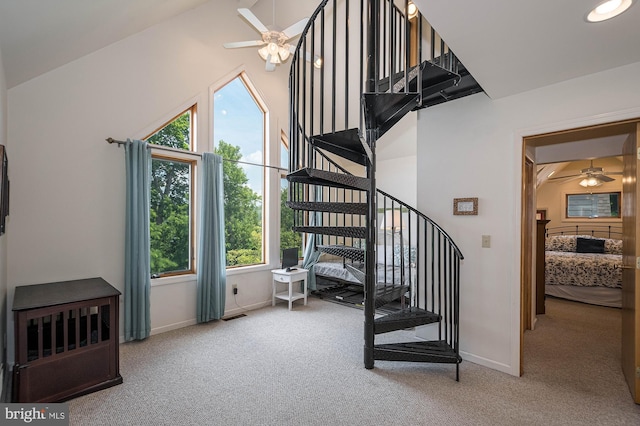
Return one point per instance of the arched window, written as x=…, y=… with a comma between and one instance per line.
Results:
x=239, y=134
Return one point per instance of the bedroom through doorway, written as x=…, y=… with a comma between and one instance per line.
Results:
x=569, y=153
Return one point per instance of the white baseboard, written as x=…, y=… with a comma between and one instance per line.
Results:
x=227, y=313
x=174, y=326
x=430, y=332
x=243, y=309
x=505, y=368
x=168, y=327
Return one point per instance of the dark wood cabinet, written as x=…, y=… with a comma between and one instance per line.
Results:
x=541, y=232
x=66, y=340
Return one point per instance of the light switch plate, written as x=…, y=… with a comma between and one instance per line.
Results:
x=486, y=241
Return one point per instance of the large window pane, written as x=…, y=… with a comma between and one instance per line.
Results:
x=242, y=210
x=288, y=237
x=601, y=205
x=239, y=134
x=170, y=216
x=176, y=134
x=171, y=210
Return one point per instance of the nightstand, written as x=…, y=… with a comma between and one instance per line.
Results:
x=289, y=278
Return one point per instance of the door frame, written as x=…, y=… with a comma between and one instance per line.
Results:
x=630, y=350
x=529, y=141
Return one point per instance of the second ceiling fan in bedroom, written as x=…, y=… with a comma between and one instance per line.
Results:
x=275, y=44
x=591, y=176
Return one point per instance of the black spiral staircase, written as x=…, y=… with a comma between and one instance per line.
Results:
x=377, y=65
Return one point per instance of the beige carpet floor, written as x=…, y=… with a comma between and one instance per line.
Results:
x=305, y=367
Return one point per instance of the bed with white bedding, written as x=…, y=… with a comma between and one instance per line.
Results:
x=342, y=280
x=584, y=268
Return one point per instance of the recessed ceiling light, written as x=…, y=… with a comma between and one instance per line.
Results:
x=608, y=9
x=412, y=10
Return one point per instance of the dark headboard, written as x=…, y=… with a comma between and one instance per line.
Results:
x=601, y=231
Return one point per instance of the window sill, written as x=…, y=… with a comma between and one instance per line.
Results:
x=249, y=269
x=188, y=278
x=176, y=279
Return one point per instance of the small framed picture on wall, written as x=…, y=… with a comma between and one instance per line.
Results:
x=465, y=206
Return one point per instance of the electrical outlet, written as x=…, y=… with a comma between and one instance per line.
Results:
x=235, y=288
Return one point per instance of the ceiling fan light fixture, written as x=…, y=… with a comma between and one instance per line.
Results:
x=590, y=182
x=267, y=56
x=272, y=48
x=284, y=52
x=263, y=52
x=608, y=9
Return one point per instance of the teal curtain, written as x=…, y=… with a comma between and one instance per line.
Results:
x=311, y=255
x=137, y=280
x=212, y=272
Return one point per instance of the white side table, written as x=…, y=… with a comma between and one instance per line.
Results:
x=291, y=277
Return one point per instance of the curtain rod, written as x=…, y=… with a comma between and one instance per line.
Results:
x=164, y=148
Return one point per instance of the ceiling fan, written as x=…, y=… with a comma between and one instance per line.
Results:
x=591, y=176
x=276, y=48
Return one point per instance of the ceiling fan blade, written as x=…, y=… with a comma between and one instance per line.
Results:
x=295, y=29
x=563, y=180
x=604, y=178
x=250, y=43
x=269, y=66
x=565, y=177
x=253, y=20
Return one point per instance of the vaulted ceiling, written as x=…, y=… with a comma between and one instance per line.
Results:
x=37, y=36
x=509, y=46
x=515, y=46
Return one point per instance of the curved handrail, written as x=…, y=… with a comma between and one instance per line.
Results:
x=304, y=32
x=428, y=219
x=402, y=204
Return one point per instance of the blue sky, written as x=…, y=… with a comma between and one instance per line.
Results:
x=238, y=120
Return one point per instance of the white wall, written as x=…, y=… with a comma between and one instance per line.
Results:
x=476, y=145
x=68, y=183
x=3, y=238
x=396, y=160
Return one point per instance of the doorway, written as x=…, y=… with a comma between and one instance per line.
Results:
x=604, y=140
